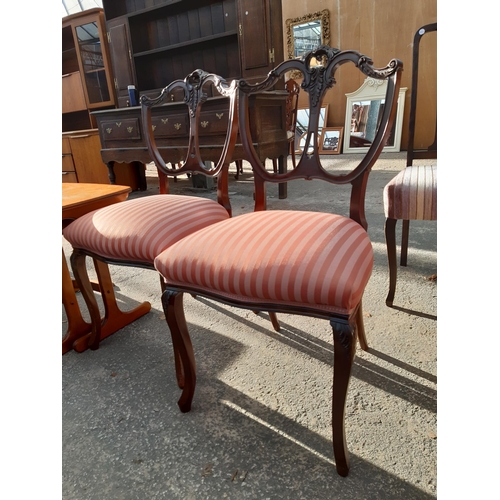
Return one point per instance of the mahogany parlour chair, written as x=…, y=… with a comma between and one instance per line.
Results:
x=135, y=231
x=412, y=194
x=291, y=106
x=309, y=263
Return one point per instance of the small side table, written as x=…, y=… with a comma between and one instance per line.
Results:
x=77, y=200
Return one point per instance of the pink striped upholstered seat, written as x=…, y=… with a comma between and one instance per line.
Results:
x=412, y=194
x=138, y=230
x=281, y=257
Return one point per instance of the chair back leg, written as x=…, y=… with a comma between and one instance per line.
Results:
x=390, y=241
x=404, y=242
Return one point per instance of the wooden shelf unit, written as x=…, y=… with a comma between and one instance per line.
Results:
x=152, y=45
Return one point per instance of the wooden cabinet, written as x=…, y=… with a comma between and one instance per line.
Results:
x=87, y=81
x=82, y=162
x=88, y=85
x=153, y=43
x=68, y=166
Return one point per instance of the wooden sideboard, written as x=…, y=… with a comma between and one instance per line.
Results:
x=122, y=139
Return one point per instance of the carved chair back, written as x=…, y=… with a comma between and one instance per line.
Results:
x=431, y=151
x=317, y=81
x=196, y=88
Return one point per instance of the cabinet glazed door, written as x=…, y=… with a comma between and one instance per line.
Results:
x=261, y=36
x=94, y=65
x=119, y=49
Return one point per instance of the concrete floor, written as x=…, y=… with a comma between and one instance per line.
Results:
x=260, y=423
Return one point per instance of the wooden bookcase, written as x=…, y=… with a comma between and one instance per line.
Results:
x=154, y=42
x=88, y=85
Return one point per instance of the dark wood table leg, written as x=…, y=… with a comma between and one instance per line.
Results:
x=111, y=172
x=282, y=186
x=141, y=175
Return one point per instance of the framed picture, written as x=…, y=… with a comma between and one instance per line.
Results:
x=303, y=123
x=331, y=140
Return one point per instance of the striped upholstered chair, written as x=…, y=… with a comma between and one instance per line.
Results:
x=134, y=232
x=412, y=194
x=309, y=263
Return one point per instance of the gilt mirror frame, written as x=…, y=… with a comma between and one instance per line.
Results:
x=324, y=22
x=372, y=90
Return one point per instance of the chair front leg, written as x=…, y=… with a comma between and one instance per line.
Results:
x=185, y=365
x=344, y=349
x=390, y=241
x=82, y=279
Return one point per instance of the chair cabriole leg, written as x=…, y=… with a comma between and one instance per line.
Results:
x=344, y=349
x=185, y=365
x=177, y=359
x=390, y=241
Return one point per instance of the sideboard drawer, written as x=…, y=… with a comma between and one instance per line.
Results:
x=122, y=130
x=170, y=125
x=213, y=122
x=66, y=148
x=67, y=163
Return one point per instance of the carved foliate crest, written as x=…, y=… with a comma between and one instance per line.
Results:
x=318, y=77
x=194, y=96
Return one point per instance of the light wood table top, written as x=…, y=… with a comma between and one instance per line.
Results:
x=80, y=198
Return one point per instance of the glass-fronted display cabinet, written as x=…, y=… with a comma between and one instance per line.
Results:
x=87, y=86
x=92, y=59
x=87, y=82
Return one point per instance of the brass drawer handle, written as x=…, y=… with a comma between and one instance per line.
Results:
x=204, y=124
x=219, y=115
x=177, y=126
x=129, y=129
x=164, y=120
x=109, y=130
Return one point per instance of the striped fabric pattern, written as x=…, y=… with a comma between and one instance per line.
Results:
x=313, y=259
x=412, y=194
x=140, y=229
